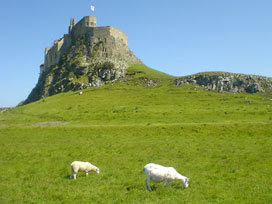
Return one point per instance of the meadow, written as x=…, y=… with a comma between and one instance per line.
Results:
x=221, y=141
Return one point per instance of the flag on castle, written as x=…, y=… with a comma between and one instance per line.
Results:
x=92, y=7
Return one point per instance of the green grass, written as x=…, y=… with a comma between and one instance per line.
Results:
x=221, y=141
x=144, y=71
x=226, y=163
x=122, y=104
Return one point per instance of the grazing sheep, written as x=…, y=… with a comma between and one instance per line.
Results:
x=159, y=173
x=77, y=166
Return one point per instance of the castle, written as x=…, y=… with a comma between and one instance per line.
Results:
x=87, y=56
x=115, y=42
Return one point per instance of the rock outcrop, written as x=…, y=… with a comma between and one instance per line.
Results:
x=87, y=56
x=228, y=82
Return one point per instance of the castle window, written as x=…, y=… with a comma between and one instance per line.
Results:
x=92, y=23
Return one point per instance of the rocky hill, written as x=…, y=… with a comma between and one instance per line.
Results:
x=93, y=56
x=87, y=56
x=228, y=82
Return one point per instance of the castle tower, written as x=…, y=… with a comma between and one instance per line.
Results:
x=90, y=21
x=72, y=23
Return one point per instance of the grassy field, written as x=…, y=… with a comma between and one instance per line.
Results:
x=221, y=141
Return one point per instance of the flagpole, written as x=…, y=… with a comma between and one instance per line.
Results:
x=92, y=9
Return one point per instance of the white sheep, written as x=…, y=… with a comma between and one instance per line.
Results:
x=77, y=166
x=159, y=173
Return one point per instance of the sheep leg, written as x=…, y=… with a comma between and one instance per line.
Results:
x=148, y=184
x=75, y=176
x=72, y=173
x=86, y=173
x=164, y=182
x=169, y=182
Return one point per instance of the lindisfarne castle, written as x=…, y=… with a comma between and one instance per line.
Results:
x=84, y=57
x=114, y=40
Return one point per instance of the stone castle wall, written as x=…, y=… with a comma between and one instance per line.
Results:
x=115, y=41
x=53, y=54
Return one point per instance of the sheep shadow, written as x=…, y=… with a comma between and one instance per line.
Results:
x=153, y=188
x=177, y=186
x=132, y=187
x=172, y=186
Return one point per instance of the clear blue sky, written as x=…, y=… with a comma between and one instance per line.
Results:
x=179, y=37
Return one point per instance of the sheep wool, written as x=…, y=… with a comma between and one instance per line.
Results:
x=78, y=166
x=159, y=173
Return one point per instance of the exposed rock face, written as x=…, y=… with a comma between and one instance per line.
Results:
x=87, y=56
x=229, y=82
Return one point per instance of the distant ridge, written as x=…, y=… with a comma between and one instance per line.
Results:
x=3, y=109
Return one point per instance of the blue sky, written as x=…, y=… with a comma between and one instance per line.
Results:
x=179, y=37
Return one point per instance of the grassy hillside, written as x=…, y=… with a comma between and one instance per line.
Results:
x=221, y=141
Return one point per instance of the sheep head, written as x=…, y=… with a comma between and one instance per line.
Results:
x=97, y=170
x=185, y=182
